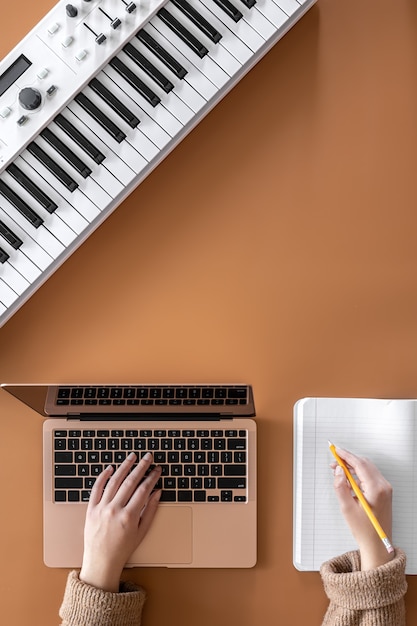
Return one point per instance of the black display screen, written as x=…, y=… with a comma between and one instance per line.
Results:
x=13, y=73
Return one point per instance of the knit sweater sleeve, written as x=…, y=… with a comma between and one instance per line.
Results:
x=368, y=598
x=84, y=605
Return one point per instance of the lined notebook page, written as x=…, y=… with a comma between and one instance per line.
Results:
x=383, y=431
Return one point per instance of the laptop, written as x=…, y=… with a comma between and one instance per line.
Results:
x=202, y=436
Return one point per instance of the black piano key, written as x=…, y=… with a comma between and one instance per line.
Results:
x=161, y=54
x=55, y=169
x=3, y=256
x=249, y=3
x=102, y=119
x=20, y=205
x=148, y=67
x=66, y=153
x=196, y=18
x=229, y=9
x=9, y=236
x=31, y=188
x=114, y=103
x=183, y=33
x=68, y=128
x=135, y=82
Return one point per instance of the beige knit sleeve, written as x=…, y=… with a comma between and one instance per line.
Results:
x=84, y=605
x=370, y=598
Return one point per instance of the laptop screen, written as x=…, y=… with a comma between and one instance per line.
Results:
x=141, y=400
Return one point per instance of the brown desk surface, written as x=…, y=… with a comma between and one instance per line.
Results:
x=276, y=245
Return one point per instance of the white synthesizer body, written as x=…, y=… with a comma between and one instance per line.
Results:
x=93, y=99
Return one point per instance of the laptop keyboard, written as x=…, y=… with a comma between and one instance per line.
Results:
x=153, y=396
x=197, y=465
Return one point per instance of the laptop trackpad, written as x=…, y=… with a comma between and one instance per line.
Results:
x=169, y=540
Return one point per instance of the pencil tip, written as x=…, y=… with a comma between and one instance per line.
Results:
x=330, y=443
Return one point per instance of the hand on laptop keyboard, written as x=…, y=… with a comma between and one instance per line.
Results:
x=120, y=511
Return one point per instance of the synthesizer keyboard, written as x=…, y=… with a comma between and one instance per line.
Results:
x=94, y=98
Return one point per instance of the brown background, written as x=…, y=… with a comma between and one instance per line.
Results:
x=276, y=245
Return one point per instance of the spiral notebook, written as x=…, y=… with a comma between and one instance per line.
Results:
x=385, y=431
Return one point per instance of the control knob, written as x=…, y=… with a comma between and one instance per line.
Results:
x=71, y=10
x=30, y=98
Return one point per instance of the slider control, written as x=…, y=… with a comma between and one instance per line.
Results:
x=130, y=6
x=114, y=23
x=101, y=38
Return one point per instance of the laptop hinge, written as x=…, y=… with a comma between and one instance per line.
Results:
x=149, y=417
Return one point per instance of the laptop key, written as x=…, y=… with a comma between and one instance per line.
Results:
x=65, y=470
x=63, y=457
x=231, y=483
x=168, y=496
x=185, y=496
x=68, y=483
x=235, y=470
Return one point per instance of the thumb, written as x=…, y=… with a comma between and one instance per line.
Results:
x=148, y=514
x=343, y=490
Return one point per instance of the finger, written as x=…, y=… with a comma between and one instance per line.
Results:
x=148, y=513
x=118, y=477
x=343, y=491
x=99, y=486
x=130, y=482
x=139, y=497
x=143, y=491
x=363, y=468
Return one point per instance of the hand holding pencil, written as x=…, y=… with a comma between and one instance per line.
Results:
x=377, y=494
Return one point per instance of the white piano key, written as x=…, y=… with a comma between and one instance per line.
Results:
x=229, y=39
x=218, y=52
x=241, y=29
x=52, y=221
x=272, y=12
x=41, y=235
x=65, y=211
x=30, y=247
x=257, y=21
x=184, y=90
x=7, y=295
x=3, y=308
x=21, y=262
x=189, y=95
x=13, y=278
x=77, y=199
x=288, y=6
x=206, y=65
x=195, y=77
x=113, y=166
x=160, y=115
x=147, y=126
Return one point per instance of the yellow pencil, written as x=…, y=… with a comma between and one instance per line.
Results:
x=362, y=500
